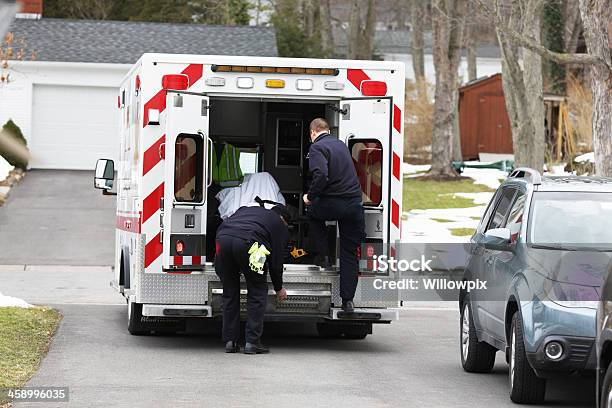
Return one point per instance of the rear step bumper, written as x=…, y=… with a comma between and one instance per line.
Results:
x=367, y=315
x=176, y=311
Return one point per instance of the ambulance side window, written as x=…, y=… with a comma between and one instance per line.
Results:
x=367, y=158
x=188, y=168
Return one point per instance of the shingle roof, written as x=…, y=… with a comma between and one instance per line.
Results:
x=125, y=41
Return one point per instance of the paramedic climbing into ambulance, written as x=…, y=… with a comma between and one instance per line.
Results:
x=252, y=239
x=335, y=195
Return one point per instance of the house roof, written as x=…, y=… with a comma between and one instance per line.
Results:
x=123, y=42
x=399, y=42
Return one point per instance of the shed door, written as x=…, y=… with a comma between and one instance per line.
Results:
x=365, y=126
x=494, y=135
x=186, y=181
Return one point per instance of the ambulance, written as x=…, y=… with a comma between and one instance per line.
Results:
x=175, y=110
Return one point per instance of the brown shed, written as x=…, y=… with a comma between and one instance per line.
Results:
x=483, y=119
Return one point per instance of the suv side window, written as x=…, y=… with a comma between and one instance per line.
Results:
x=501, y=211
x=515, y=219
x=484, y=220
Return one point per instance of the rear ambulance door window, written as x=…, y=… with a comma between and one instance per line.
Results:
x=515, y=219
x=501, y=211
x=367, y=158
x=188, y=168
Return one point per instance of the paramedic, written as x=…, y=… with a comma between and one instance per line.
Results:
x=240, y=240
x=335, y=195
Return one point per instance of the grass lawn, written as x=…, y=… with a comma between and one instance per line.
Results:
x=24, y=338
x=441, y=220
x=424, y=194
x=462, y=232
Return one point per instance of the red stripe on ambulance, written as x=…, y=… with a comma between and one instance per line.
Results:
x=150, y=204
x=396, y=165
x=153, y=249
x=395, y=213
x=152, y=156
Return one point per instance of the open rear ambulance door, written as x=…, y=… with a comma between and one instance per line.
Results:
x=187, y=177
x=365, y=126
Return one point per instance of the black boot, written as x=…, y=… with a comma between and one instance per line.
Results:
x=232, y=347
x=322, y=261
x=255, y=348
x=348, y=306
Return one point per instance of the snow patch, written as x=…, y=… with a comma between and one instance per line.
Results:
x=5, y=168
x=10, y=301
x=408, y=168
x=420, y=226
x=587, y=157
x=487, y=177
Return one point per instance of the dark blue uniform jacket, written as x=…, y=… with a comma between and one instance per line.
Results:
x=257, y=224
x=331, y=166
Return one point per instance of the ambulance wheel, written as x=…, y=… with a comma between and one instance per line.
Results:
x=135, y=325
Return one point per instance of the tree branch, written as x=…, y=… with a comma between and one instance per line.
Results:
x=532, y=45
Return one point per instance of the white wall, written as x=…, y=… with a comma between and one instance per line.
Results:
x=485, y=66
x=16, y=96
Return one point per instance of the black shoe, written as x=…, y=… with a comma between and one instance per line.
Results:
x=348, y=306
x=232, y=347
x=322, y=261
x=255, y=348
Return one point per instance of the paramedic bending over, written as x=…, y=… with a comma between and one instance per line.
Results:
x=335, y=195
x=252, y=239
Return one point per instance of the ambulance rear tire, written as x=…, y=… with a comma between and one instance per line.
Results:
x=135, y=324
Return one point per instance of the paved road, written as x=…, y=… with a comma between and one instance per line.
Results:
x=412, y=363
x=56, y=217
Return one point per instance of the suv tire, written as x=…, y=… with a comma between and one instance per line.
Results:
x=525, y=386
x=606, y=389
x=476, y=356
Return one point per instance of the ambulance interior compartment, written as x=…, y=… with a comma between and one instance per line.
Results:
x=273, y=137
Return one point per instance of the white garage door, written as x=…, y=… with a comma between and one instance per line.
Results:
x=73, y=126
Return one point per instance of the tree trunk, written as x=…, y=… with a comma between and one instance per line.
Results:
x=447, y=22
x=523, y=87
x=470, y=51
x=367, y=41
x=327, y=36
x=594, y=19
x=417, y=45
x=354, y=30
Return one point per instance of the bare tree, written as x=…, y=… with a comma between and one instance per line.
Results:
x=470, y=52
x=447, y=21
x=417, y=45
x=595, y=16
x=523, y=84
x=327, y=36
x=361, y=29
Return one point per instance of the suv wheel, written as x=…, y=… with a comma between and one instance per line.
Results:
x=525, y=386
x=606, y=389
x=476, y=356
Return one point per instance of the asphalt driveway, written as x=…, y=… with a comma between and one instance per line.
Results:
x=55, y=217
x=411, y=363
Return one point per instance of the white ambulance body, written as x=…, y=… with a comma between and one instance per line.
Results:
x=176, y=108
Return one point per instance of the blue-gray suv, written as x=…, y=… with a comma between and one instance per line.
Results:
x=543, y=246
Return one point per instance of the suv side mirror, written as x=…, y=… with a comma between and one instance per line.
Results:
x=497, y=239
x=104, y=175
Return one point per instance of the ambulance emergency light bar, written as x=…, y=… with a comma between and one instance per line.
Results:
x=275, y=70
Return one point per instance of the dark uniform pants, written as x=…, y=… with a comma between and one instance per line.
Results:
x=232, y=258
x=349, y=214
